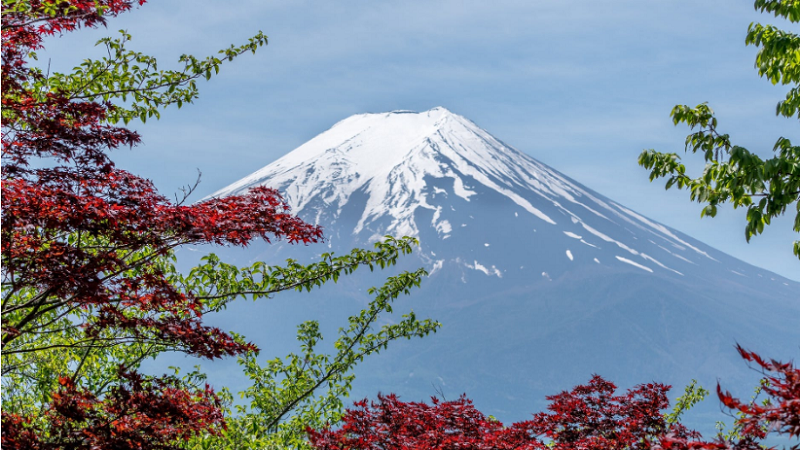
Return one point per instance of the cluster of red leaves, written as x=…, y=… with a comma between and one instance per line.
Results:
x=392, y=424
x=779, y=415
x=589, y=417
x=83, y=196
x=782, y=412
x=71, y=222
x=137, y=414
x=592, y=417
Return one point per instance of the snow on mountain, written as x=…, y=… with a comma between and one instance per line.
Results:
x=402, y=163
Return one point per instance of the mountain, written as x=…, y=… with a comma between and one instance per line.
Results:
x=538, y=281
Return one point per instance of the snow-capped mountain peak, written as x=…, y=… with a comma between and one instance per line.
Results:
x=436, y=175
x=390, y=154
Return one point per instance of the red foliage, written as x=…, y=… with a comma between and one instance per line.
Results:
x=782, y=412
x=392, y=424
x=589, y=417
x=70, y=222
x=84, y=195
x=779, y=415
x=138, y=414
x=592, y=417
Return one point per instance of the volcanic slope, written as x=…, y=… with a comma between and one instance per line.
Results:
x=539, y=281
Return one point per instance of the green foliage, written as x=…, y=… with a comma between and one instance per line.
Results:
x=58, y=346
x=285, y=398
x=217, y=283
x=692, y=395
x=766, y=187
x=134, y=77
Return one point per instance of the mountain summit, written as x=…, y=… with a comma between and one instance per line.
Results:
x=391, y=170
x=538, y=281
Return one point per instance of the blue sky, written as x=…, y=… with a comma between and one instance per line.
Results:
x=583, y=86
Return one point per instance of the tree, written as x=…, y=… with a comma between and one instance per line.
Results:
x=766, y=187
x=590, y=416
x=89, y=286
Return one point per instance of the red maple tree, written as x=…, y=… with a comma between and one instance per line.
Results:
x=78, y=235
x=589, y=417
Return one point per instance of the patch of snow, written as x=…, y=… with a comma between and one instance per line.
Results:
x=597, y=261
x=546, y=276
x=494, y=270
x=635, y=264
x=486, y=244
x=607, y=239
x=388, y=158
x=663, y=230
x=740, y=274
x=671, y=253
x=649, y=258
x=442, y=227
x=460, y=190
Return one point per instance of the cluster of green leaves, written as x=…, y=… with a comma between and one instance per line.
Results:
x=218, y=283
x=47, y=9
x=135, y=78
x=692, y=395
x=766, y=187
x=308, y=389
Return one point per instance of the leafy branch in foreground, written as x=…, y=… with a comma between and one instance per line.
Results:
x=62, y=363
x=217, y=283
x=134, y=77
x=285, y=398
x=766, y=187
